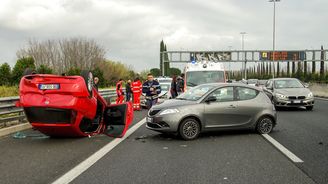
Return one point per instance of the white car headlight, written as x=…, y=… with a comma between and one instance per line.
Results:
x=310, y=95
x=281, y=96
x=169, y=111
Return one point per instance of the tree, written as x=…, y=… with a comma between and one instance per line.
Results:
x=313, y=63
x=293, y=68
x=42, y=69
x=288, y=69
x=166, y=62
x=5, y=73
x=155, y=71
x=322, y=62
x=20, y=66
x=97, y=72
x=73, y=71
x=161, y=60
x=62, y=55
x=278, y=69
x=174, y=71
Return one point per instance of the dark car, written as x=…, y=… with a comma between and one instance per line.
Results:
x=214, y=107
x=289, y=92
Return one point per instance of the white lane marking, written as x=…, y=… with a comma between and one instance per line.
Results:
x=284, y=150
x=87, y=163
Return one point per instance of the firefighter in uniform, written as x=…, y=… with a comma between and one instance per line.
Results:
x=119, y=92
x=136, y=90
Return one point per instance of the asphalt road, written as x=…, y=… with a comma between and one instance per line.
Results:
x=40, y=159
x=305, y=133
x=150, y=157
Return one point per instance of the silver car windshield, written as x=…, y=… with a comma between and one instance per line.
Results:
x=279, y=84
x=195, y=93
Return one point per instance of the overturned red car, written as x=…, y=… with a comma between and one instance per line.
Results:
x=71, y=106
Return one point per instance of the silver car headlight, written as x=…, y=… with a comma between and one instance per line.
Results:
x=281, y=96
x=169, y=111
x=310, y=95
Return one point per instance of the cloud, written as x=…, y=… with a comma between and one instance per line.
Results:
x=131, y=30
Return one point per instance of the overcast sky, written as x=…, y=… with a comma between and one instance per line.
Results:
x=131, y=30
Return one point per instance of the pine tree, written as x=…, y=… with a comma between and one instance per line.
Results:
x=322, y=62
x=166, y=62
x=313, y=62
x=293, y=67
x=161, y=49
x=278, y=68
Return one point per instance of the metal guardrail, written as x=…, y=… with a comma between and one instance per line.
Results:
x=10, y=113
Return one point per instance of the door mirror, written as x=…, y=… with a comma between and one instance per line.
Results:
x=117, y=118
x=306, y=85
x=210, y=99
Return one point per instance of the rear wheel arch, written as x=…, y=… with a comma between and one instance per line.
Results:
x=258, y=125
x=267, y=115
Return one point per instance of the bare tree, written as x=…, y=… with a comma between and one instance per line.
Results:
x=61, y=55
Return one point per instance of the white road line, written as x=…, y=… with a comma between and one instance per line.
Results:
x=87, y=163
x=284, y=150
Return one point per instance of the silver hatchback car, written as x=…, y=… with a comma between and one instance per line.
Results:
x=214, y=107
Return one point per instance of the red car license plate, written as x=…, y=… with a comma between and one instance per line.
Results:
x=49, y=86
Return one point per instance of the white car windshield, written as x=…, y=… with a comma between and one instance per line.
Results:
x=195, y=78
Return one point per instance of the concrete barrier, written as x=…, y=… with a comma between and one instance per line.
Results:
x=319, y=89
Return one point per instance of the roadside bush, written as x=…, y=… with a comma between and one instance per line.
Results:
x=6, y=91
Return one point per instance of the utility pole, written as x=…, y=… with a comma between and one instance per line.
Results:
x=274, y=33
x=242, y=48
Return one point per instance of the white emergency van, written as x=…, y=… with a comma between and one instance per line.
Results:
x=203, y=72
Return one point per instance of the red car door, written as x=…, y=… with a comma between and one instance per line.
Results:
x=117, y=119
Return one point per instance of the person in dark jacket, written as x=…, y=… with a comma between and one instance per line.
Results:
x=180, y=84
x=128, y=91
x=152, y=89
x=173, y=89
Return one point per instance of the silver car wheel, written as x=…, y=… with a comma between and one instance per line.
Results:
x=190, y=129
x=265, y=125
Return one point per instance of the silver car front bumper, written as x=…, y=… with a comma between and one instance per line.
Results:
x=165, y=123
x=293, y=103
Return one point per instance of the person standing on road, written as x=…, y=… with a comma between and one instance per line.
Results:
x=128, y=91
x=173, y=89
x=119, y=92
x=136, y=89
x=180, y=84
x=95, y=83
x=152, y=88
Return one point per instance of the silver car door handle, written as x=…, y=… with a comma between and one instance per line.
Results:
x=232, y=106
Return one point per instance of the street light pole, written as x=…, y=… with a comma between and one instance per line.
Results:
x=242, y=48
x=274, y=34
